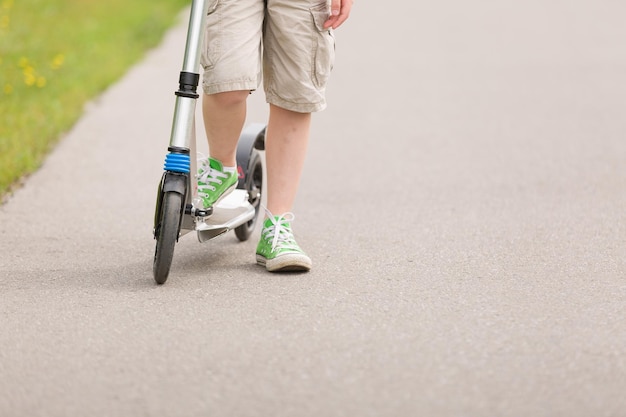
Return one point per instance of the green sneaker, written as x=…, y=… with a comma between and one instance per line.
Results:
x=277, y=249
x=214, y=182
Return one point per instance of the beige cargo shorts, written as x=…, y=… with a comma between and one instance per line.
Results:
x=282, y=42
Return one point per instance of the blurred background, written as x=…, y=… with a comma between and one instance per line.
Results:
x=55, y=55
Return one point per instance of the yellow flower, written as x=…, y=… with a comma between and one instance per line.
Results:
x=23, y=62
x=41, y=82
x=7, y=4
x=57, y=61
x=29, y=79
x=4, y=22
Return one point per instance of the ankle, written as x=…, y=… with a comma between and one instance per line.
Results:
x=226, y=161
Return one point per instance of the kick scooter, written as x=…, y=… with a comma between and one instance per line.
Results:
x=178, y=209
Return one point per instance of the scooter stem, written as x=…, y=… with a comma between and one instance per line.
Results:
x=183, y=124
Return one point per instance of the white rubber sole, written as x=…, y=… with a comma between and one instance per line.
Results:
x=288, y=262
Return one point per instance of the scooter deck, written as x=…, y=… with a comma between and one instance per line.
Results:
x=233, y=211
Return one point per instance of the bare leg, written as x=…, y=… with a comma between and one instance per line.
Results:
x=286, y=146
x=224, y=115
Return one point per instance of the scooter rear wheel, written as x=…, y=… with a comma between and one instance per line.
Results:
x=166, y=235
x=254, y=186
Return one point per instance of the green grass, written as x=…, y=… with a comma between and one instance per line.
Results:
x=55, y=55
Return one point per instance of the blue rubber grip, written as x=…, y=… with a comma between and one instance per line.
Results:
x=176, y=162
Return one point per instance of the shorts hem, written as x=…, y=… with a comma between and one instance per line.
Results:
x=296, y=107
x=239, y=85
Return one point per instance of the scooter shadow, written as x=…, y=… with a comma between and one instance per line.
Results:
x=194, y=266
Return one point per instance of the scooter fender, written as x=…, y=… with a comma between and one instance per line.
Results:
x=252, y=137
x=175, y=182
x=170, y=182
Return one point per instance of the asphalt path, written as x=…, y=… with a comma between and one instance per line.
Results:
x=464, y=203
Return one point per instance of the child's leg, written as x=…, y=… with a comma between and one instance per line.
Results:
x=286, y=145
x=298, y=57
x=224, y=116
x=231, y=59
x=285, y=149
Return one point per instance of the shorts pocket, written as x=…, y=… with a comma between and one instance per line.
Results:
x=323, y=46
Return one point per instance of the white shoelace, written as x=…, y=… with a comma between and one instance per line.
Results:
x=281, y=235
x=207, y=176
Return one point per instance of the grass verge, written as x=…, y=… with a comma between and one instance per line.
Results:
x=55, y=55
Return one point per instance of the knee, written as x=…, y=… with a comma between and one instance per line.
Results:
x=228, y=99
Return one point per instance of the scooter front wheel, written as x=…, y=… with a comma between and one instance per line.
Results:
x=166, y=235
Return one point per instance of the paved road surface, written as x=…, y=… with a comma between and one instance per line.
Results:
x=464, y=202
